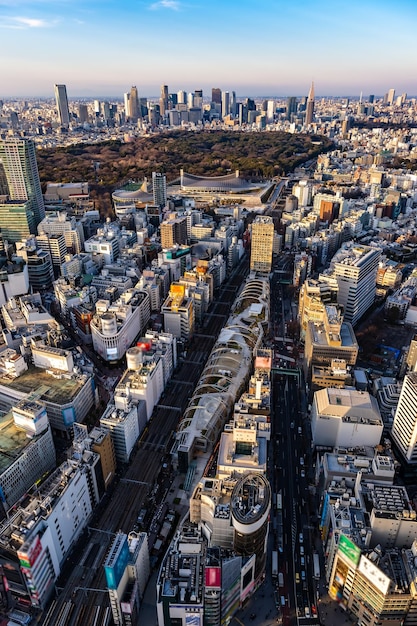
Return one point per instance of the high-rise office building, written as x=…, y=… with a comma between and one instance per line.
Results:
x=354, y=268
x=250, y=104
x=163, y=100
x=216, y=95
x=182, y=97
x=133, y=104
x=19, y=168
x=404, y=428
x=173, y=231
x=82, y=113
x=291, y=107
x=16, y=220
x=262, y=241
x=62, y=104
x=126, y=98
x=310, y=106
x=159, y=189
x=225, y=103
x=198, y=98
x=233, y=104
x=390, y=96
x=172, y=101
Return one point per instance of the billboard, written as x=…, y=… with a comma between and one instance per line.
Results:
x=349, y=549
x=263, y=362
x=193, y=619
x=145, y=344
x=337, y=584
x=375, y=576
x=213, y=577
x=177, y=290
x=119, y=560
x=68, y=415
x=29, y=557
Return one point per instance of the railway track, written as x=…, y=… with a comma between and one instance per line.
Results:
x=84, y=600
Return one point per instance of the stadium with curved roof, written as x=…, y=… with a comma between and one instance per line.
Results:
x=231, y=186
x=127, y=198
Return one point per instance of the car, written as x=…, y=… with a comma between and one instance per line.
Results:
x=300, y=430
x=301, y=460
x=302, y=561
x=307, y=611
x=297, y=577
x=313, y=610
x=303, y=575
x=292, y=425
x=301, y=537
x=303, y=474
x=302, y=550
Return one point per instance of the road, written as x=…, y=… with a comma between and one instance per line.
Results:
x=290, y=467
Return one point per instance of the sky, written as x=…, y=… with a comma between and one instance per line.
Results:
x=253, y=47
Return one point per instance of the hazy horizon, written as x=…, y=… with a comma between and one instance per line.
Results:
x=101, y=48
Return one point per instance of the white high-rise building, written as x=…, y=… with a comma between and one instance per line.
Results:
x=115, y=326
x=58, y=223
x=62, y=104
x=354, y=268
x=404, y=428
x=182, y=97
x=225, y=103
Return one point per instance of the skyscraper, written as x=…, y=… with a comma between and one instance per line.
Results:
x=182, y=97
x=82, y=113
x=390, y=96
x=216, y=95
x=225, y=103
x=159, y=188
x=404, y=427
x=133, y=104
x=18, y=166
x=310, y=106
x=163, y=100
x=291, y=107
x=262, y=241
x=126, y=100
x=16, y=220
x=198, y=98
x=233, y=104
x=62, y=104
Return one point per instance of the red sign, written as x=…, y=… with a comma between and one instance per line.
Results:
x=144, y=345
x=213, y=576
x=28, y=559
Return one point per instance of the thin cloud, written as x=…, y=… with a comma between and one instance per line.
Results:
x=165, y=4
x=22, y=23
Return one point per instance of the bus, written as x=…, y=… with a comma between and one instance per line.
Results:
x=274, y=564
x=316, y=563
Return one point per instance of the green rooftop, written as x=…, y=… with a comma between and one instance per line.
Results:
x=50, y=389
x=132, y=186
x=13, y=441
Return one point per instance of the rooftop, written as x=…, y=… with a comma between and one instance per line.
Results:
x=13, y=441
x=56, y=389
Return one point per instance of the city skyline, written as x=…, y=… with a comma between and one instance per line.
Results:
x=276, y=49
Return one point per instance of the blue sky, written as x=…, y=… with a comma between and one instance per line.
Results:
x=254, y=47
